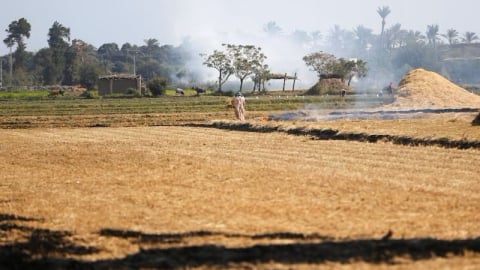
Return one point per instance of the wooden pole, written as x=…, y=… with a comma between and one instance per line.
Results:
x=294, y=79
x=284, y=80
x=111, y=85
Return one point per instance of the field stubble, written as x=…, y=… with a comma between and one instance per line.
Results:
x=135, y=192
x=156, y=180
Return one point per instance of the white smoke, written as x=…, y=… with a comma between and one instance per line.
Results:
x=284, y=55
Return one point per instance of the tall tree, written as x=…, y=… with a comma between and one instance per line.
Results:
x=363, y=38
x=383, y=12
x=320, y=62
x=246, y=59
x=451, y=36
x=414, y=38
x=219, y=61
x=151, y=47
x=393, y=36
x=326, y=64
x=17, y=31
x=84, y=65
x=469, y=37
x=80, y=56
x=432, y=34
x=352, y=68
x=58, y=42
x=44, y=66
x=110, y=55
x=109, y=51
x=340, y=40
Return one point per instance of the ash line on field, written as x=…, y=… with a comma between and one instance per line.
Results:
x=315, y=115
x=333, y=134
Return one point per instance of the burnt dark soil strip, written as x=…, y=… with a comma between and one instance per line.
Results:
x=364, y=114
x=141, y=237
x=209, y=255
x=333, y=134
x=406, y=111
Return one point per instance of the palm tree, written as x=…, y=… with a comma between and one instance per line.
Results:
x=58, y=42
x=393, y=36
x=383, y=12
x=339, y=39
x=451, y=36
x=151, y=45
x=469, y=37
x=432, y=34
x=58, y=35
x=414, y=37
x=363, y=37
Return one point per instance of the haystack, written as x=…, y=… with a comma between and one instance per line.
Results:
x=327, y=86
x=420, y=88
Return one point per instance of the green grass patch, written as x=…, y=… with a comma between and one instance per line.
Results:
x=37, y=103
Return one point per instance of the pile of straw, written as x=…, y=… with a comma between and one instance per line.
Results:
x=420, y=88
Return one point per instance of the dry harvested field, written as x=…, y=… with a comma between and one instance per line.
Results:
x=109, y=184
x=171, y=196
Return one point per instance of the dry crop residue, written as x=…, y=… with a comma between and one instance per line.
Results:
x=123, y=197
x=420, y=88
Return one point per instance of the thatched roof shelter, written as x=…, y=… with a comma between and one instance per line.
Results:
x=281, y=76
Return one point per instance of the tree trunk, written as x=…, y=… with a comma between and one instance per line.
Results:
x=220, y=82
x=349, y=80
x=241, y=84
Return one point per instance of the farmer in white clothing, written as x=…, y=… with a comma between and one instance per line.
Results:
x=238, y=103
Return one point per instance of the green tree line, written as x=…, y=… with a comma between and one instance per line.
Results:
x=75, y=62
x=386, y=56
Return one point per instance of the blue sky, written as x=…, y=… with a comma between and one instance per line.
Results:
x=169, y=21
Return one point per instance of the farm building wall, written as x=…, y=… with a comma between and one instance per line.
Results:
x=114, y=84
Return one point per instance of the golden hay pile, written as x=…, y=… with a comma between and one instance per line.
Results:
x=420, y=88
x=327, y=86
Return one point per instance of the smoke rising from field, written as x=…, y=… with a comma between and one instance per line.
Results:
x=209, y=23
x=284, y=55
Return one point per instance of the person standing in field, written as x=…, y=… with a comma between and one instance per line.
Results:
x=238, y=103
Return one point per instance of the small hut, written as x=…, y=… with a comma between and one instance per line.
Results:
x=119, y=84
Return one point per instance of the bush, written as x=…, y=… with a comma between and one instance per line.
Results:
x=157, y=86
x=86, y=94
x=88, y=76
x=133, y=92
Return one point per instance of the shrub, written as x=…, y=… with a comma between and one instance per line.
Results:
x=133, y=92
x=157, y=86
x=86, y=94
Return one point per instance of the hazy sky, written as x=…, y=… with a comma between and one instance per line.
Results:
x=169, y=21
x=209, y=23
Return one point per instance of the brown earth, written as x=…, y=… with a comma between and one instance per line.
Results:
x=420, y=88
x=184, y=197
